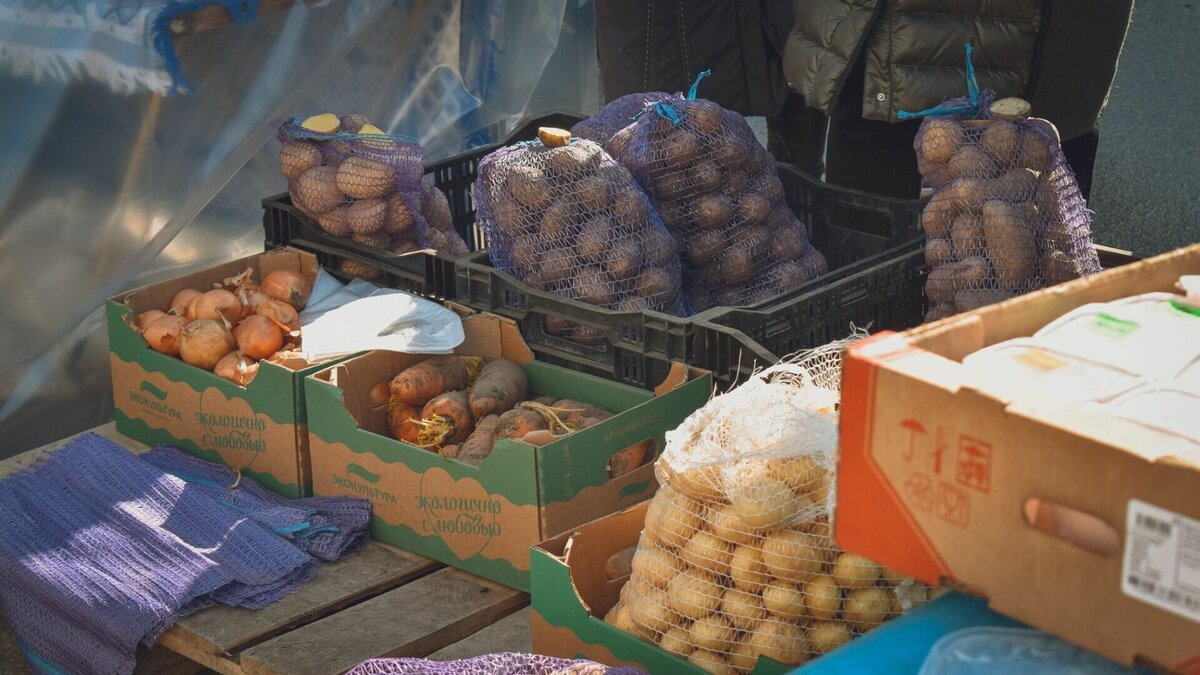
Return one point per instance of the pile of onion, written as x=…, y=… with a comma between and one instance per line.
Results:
x=231, y=327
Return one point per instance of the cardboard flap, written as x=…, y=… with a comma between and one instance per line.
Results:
x=588, y=549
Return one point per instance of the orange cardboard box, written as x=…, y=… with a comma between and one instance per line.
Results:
x=942, y=482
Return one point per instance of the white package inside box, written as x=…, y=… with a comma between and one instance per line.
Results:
x=1024, y=369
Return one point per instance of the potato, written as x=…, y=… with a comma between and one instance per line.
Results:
x=973, y=272
x=619, y=141
x=938, y=252
x=334, y=222
x=784, y=642
x=713, y=212
x=703, y=116
x=693, y=594
x=676, y=641
x=916, y=595
x=756, y=238
x=971, y=162
x=711, y=632
x=792, y=556
x=706, y=552
x=726, y=525
x=938, y=213
x=1058, y=267
x=1039, y=139
x=296, y=157
x=743, y=610
x=966, y=236
x=800, y=473
x=651, y=611
x=526, y=252
x=366, y=215
x=826, y=636
x=528, y=186
x=624, y=261
x=939, y=310
x=787, y=275
x=316, y=190
x=746, y=569
x=728, y=153
x=379, y=240
x=940, y=139
x=822, y=597
x=399, y=219
x=711, y=662
x=593, y=286
x=620, y=564
x=655, y=284
x=866, y=608
x=656, y=566
x=787, y=239
x=701, y=484
x=942, y=282
x=892, y=577
x=752, y=208
x=1010, y=244
x=967, y=193
x=1015, y=185
x=734, y=267
x=732, y=182
x=629, y=207
x=969, y=299
x=510, y=217
x=618, y=617
x=704, y=246
x=851, y=570
x=764, y=502
x=591, y=193
x=659, y=247
x=360, y=270
x=678, y=525
x=364, y=178
x=707, y=177
x=679, y=149
x=569, y=160
x=671, y=185
x=1002, y=140
x=595, y=237
x=784, y=600
x=557, y=221
x=325, y=123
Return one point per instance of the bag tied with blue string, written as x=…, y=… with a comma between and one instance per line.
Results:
x=615, y=116
x=1006, y=216
x=356, y=181
x=562, y=216
x=718, y=192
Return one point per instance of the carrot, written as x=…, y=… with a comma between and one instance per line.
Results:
x=572, y=412
x=446, y=418
x=402, y=422
x=544, y=400
x=624, y=461
x=479, y=445
x=517, y=422
x=435, y=375
x=502, y=384
x=451, y=450
x=539, y=437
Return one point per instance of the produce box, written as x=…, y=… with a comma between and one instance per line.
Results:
x=485, y=518
x=572, y=593
x=938, y=479
x=159, y=399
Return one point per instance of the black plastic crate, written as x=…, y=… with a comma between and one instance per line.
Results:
x=885, y=292
x=418, y=272
x=845, y=225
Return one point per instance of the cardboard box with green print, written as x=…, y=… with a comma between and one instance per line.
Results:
x=258, y=428
x=484, y=518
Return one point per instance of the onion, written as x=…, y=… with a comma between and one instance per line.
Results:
x=143, y=320
x=217, y=304
x=289, y=286
x=258, y=337
x=379, y=395
x=179, y=303
x=163, y=334
x=280, y=312
x=250, y=298
x=236, y=368
x=203, y=342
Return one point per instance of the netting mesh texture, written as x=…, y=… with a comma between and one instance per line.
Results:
x=571, y=221
x=101, y=552
x=365, y=187
x=1006, y=216
x=439, y=221
x=736, y=558
x=509, y=663
x=718, y=192
x=615, y=116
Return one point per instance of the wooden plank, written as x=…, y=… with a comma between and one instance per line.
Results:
x=367, y=573
x=416, y=619
x=510, y=634
x=159, y=660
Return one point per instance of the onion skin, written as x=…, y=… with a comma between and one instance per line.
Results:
x=163, y=333
x=203, y=342
x=280, y=312
x=287, y=286
x=250, y=298
x=217, y=304
x=236, y=368
x=258, y=337
x=179, y=303
x=143, y=320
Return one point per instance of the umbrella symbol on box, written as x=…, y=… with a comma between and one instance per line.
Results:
x=914, y=427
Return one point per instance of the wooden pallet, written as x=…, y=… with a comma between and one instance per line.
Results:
x=380, y=602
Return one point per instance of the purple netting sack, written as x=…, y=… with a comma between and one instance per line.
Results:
x=571, y=221
x=509, y=663
x=363, y=186
x=718, y=192
x=1006, y=216
x=439, y=221
x=615, y=116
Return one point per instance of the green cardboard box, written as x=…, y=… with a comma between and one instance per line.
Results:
x=259, y=428
x=484, y=519
x=572, y=593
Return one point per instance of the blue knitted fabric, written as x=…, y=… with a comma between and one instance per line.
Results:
x=508, y=663
x=101, y=552
x=325, y=527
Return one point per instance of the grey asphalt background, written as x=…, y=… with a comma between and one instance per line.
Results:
x=1148, y=169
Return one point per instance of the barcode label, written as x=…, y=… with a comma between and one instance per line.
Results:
x=1162, y=559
